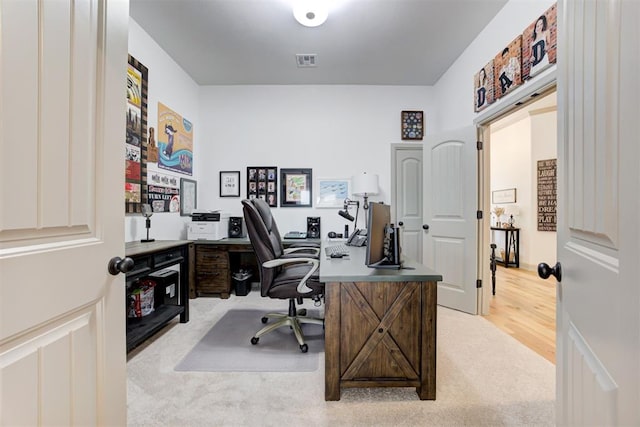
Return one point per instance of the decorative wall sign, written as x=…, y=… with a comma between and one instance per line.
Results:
x=135, y=191
x=262, y=183
x=331, y=192
x=188, y=196
x=547, y=197
x=229, y=183
x=484, y=87
x=507, y=70
x=503, y=196
x=539, y=43
x=412, y=124
x=175, y=141
x=164, y=199
x=296, y=188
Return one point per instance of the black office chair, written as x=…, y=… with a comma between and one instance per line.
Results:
x=284, y=274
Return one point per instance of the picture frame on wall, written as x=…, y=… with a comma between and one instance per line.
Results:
x=262, y=183
x=412, y=125
x=507, y=68
x=188, y=196
x=331, y=192
x=503, y=196
x=229, y=183
x=296, y=188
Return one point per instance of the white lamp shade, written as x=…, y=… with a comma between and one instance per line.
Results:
x=310, y=13
x=512, y=210
x=364, y=184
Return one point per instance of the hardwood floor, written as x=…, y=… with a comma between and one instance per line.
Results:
x=525, y=307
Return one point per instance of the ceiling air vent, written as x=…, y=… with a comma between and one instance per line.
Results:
x=306, y=60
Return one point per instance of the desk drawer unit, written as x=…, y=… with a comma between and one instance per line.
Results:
x=212, y=272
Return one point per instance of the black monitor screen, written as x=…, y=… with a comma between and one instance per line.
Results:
x=379, y=219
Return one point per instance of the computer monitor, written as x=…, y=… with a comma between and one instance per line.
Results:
x=383, y=246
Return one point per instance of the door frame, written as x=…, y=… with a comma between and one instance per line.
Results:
x=542, y=84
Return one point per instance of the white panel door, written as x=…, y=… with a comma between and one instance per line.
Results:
x=598, y=304
x=450, y=169
x=407, y=198
x=62, y=318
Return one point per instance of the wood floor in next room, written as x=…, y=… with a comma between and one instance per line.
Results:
x=525, y=308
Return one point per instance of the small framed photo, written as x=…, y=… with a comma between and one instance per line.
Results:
x=188, y=196
x=229, y=183
x=296, y=188
x=412, y=125
x=331, y=192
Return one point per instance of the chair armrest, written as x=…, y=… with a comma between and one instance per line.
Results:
x=302, y=286
x=304, y=250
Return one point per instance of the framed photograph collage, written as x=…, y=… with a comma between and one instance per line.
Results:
x=262, y=183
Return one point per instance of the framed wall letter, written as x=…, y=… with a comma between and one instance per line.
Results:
x=296, y=188
x=188, y=196
x=229, y=183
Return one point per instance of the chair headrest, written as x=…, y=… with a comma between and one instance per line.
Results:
x=265, y=212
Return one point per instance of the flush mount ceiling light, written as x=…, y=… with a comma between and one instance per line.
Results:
x=310, y=13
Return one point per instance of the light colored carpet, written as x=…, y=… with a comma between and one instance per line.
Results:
x=484, y=378
x=227, y=347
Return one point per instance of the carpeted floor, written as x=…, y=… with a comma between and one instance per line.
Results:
x=484, y=378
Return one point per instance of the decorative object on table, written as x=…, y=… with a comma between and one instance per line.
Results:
x=503, y=196
x=365, y=185
x=510, y=211
x=330, y=192
x=147, y=212
x=507, y=68
x=175, y=141
x=539, y=43
x=296, y=188
x=136, y=133
x=229, y=183
x=412, y=125
x=547, y=198
x=498, y=212
x=483, y=87
x=188, y=196
x=262, y=183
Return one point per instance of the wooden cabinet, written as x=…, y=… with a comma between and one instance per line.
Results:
x=211, y=275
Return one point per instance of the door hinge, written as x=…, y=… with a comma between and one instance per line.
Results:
x=479, y=214
x=479, y=283
x=479, y=145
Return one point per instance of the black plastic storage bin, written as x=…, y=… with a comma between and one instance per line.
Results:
x=242, y=282
x=166, y=289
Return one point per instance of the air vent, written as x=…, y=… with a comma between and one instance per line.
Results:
x=306, y=60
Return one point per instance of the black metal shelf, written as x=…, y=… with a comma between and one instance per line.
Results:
x=139, y=329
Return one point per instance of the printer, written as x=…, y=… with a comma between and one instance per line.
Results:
x=208, y=225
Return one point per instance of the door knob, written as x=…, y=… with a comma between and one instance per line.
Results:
x=119, y=265
x=544, y=271
x=401, y=223
x=425, y=226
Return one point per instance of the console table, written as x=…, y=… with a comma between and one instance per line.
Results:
x=512, y=245
x=148, y=258
x=380, y=325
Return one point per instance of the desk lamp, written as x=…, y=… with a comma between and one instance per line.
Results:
x=147, y=212
x=365, y=185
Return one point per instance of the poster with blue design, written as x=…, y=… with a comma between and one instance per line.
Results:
x=175, y=141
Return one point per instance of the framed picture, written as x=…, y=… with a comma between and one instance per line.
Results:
x=483, y=87
x=503, y=196
x=296, y=188
x=331, y=192
x=412, y=124
x=188, y=196
x=262, y=183
x=507, y=72
x=229, y=183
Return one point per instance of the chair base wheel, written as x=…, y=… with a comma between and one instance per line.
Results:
x=304, y=348
x=254, y=340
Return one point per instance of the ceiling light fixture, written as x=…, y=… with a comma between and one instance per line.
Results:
x=310, y=13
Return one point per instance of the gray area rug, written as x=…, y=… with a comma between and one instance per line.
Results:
x=227, y=348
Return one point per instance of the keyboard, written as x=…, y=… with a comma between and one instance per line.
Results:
x=296, y=235
x=336, y=249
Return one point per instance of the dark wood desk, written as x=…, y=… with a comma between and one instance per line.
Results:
x=380, y=325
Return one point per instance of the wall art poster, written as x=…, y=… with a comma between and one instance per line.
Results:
x=539, y=43
x=507, y=69
x=163, y=179
x=136, y=130
x=483, y=87
x=164, y=199
x=547, y=195
x=175, y=141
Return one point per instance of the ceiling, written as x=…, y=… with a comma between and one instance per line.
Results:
x=374, y=42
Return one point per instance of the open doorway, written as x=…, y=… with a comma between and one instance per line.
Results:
x=522, y=143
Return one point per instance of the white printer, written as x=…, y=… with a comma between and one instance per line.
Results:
x=208, y=225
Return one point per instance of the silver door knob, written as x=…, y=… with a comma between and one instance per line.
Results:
x=119, y=265
x=544, y=271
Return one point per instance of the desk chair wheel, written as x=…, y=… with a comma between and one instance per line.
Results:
x=304, y=348
x=302, y=312
x=254, y=340
x=265, y=320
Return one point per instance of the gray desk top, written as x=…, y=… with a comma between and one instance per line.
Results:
x=245, y=241
x=139, y=248
x=353, y=269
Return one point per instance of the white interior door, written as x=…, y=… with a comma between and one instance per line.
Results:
x=598, y=325
x=62, y=316
x=407, y=197
x=450, y=169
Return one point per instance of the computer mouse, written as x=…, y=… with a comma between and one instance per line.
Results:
x=337, y=255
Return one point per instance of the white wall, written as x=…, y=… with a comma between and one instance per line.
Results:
x=169, y=84
x=338, y=131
